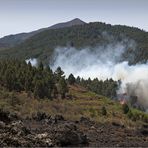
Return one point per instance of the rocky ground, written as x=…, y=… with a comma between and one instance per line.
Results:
x=48, y=131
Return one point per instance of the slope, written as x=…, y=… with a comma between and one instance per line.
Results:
x=79, y=103
x=91, y=35
x=12, y=40
x=75, y=121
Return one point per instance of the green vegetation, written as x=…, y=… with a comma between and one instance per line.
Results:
x=42, y=45
x=84, y=104
x=74, y=108
x=106, y=88
x=103, y=111
x=125, y=108
x=71, y=79
x=62, y=87
x=41, y=81
x=135, y=114
x=27, y=90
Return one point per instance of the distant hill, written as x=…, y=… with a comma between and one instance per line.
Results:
x=77, y=33
x=12, y=40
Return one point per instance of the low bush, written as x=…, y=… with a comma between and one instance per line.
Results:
x=125, y=108
x=135, y=115
x=103, y=111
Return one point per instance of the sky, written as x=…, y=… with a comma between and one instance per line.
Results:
x=17, y=16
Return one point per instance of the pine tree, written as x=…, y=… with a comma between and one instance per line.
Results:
x=41, y=66
x=59, y=73
x=62, y=87
x=78, y=80
x=71, y=79
x=38, y=89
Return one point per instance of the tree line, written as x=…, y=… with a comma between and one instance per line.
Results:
x=106, y=88
x=42, y=82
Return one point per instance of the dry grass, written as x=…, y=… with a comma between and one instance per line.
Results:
x=83, y=103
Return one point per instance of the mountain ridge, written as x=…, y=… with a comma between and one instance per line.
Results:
x=15, y=39
x=94, y=34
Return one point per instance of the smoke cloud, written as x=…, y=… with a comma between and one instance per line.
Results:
x=135, y=82
x=102, y=62
x=105, y=62
x=33, y=61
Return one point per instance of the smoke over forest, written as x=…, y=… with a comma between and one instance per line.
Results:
x=104, y=62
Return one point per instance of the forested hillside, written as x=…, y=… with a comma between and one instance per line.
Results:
x=42, y=82
x=92, y=35
x=39, y=107
x=13, y=40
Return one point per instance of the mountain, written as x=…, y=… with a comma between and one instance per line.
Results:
x=73, y=22
x=12, y=40
x=42, y=44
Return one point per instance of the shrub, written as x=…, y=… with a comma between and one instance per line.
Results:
x=14, y=100
x=135, y=115
x=145, y=118
x=125, y=108
x=103, y=111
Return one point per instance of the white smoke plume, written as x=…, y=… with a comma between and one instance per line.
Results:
x=33, y=61
x=134, y=81
x=103, y=63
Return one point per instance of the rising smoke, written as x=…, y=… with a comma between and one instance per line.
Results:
x=33, y=61
x=105, y=62
x=101, y=62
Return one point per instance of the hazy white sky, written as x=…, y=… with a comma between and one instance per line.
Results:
x=18, y=16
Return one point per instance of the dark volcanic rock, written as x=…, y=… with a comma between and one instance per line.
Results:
x=144, y=132
x=4, y=116
x=40, y=116
x=44, y=118
x=7, y=117
x=85, y=120
x=117, y=124
x=47, y=131
x=43, y=139
x=55, y=119
x=69, y=135
x=2, y=125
